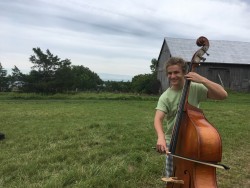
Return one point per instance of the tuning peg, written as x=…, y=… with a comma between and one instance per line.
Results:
x=203, y=58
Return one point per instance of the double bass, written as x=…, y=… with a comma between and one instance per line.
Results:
x=195, y=145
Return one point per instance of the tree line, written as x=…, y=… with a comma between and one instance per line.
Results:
x=50, y=74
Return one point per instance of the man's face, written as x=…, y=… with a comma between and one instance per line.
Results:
x=175, y=76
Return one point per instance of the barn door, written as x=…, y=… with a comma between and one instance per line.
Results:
x=220, y=76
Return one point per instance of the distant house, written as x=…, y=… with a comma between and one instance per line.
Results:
x=16, y=86
x=228, y=63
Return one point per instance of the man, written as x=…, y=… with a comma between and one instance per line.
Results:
x=200, y=89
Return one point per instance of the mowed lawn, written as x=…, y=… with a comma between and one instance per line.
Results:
x=106, y=142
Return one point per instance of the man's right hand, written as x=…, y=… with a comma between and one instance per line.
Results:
x=161, y=146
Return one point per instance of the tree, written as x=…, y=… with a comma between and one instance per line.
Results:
x=34, y=83
x=64, y=79
x=155, y=84
x=115, y=86
x=44, y=74
x=3, y=79
x=147, y=83
x=140, y=83
x=153, y=66
x=46, y=64
x=16, y=74
x=85, y=79
x=16, y=80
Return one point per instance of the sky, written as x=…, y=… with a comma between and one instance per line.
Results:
x=113, y=36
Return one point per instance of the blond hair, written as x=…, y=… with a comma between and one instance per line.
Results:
x=176, y=61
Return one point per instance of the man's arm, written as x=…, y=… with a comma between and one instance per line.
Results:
x=215, y=91
x=158, y=124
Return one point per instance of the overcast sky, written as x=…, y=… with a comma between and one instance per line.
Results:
x=113, y=36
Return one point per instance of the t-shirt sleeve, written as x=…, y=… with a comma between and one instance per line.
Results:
x=162, y=104
x=198, y=93
x=202, y=92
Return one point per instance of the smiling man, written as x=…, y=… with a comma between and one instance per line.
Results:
x=200, y=89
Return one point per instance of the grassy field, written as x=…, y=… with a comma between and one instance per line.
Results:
x=105, y=140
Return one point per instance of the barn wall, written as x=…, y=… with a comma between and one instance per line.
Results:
x=161, y=72
x=231, y=76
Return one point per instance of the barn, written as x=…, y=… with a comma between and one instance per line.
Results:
x=228, y=62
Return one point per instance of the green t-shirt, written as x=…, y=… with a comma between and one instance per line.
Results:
x=169, y=102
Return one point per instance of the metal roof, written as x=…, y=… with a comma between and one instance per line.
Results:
x=221, y=51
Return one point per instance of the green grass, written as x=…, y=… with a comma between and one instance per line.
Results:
x=104, y=140
x=76, y=96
